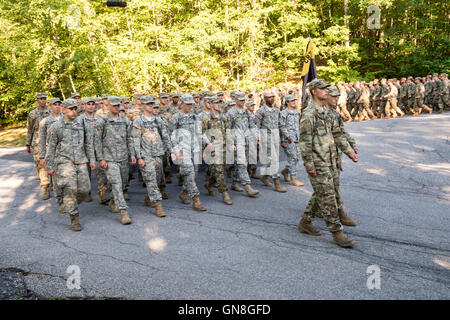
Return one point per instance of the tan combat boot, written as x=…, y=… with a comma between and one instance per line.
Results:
x=307, y=227
x=235, y=186
x=159, y=209
x=126, y=196
x=197, y=205
x=285, y=174
x=210, y=189
x=295, y=182
x=183, y=197
x=226, y=198
x=148, y=202
x=45, y=193
x=75, y=223
x=124, y=217
x=345, y=220
x=342, y=240
x=163, y=192
x=255, y=174
x=250, y=191
x=61, y=208
x=112, y=206
x=278, y=186
x=103, y=196
x=265, y=180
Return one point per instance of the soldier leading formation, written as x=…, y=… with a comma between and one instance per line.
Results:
x=114, y=137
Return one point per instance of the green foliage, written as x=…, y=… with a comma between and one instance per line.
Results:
x=164, y=45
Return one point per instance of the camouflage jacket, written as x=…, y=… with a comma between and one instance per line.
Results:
x=376, y=92
x=319, y=138
x=34, y=117
x=268, y=117
x=338, y=122
x=187, y=132
x=290, y=125
x=241, y=120
x=420, y=91
x=211, y=126
x=411, y=90
x=44, y=133
x=151, y=138
x=404, y=91
x=114, y=141
x=384, y=92
x=69, y=142
x=93, y=123
x=428, y=88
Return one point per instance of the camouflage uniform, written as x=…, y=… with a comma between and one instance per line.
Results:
x=412, y=97
x=69, y=149
x=290, y=128
x=445, y=97
x=318, y=140
x=428, y=100
x=403, y=94
x=151, y=141
x=115, y=146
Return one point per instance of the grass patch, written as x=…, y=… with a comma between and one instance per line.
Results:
x=13, y=136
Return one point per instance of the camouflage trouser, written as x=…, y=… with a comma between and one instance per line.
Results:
x=43, y=174
x=366, y=107
x=159, y=169
x=394, y=107
x=383, y=106
x=344, y=112
x=215, y=174
x=446, y=100
x=74, y=185
x=375, y=105
x=149, y=176
x=239, y=168
x=188, y=172
x=412, y=104
x=102, y=181
x=117, y=174
x=326, y=190
x=270, y=154
x=293, y=156
x=438, y=103
x=166, y=164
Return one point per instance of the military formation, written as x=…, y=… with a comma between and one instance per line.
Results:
x=225, y=135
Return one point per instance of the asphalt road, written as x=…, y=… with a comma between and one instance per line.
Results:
x=399, y=194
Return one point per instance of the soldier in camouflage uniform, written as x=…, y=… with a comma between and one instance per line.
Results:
x=365, y=100
x=114, y=148
x=290, y=133
x=197, y=108
x=445, y=97
x=428, y=100
x=160, y=174
x=392, y=100
x=91, y=119
x=318, y=140
x=269, y=117
x=166, y=114
x=105, y=106
x=383, y=98
x=252, y=168
x=343, y=102
x=151, y=141
x=331, y=102
x=34, y=118
x=244, y=131
x=175, y=104
x=186, y=150
x=412, y=97
x=69, y=149
x=214, y=127
x=420, y=95
x=376, y=100
x=77, y=97
x=44, y=133
x=403, y=96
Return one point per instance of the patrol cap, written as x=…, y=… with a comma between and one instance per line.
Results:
x=163, y=95
x=147, y=99
x=156, y=105
x=318, y=84
x=231, y=103
x=121, y=108
x=89, y=99
x=410, y=78
x=233, y=93
x=98, y=100
x=418, y=78
x=443, y=75
x=216, y=100
x=54, y=100
x=268, y=93
x=290, y=97
x=114, y=101
x=40, y=95
x=105, y=96
x=176, y=95
x=219, y=94
x=249, y=103
x=240, y=96
x=333, y=91
x=187, y=98
x=75, y=95
x=125, y=100
x=435, y=75
x=195, y=95
x=70, y=103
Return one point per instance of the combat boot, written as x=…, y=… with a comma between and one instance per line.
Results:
x=342, y=240
x=112, y=206
x=159, y=209
x=148, y=202
x=255, y=174
x=163, y=192
x=278, y=186
x=210, y=189
x=180, y=179
x=75, y=223
x=103, y=197
x=169, y=178
x=285, y=174
x=250, y=192
x=197, y=205
x=235, y=186
x=226, y=198
x=88, y=198
x=126, y=196
x=265, y=180
x=124, y=217
x=61, y=208
x=307, y=227
x=183, y=197
x=45, y=193
x=295, y=182
x=346, y=220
